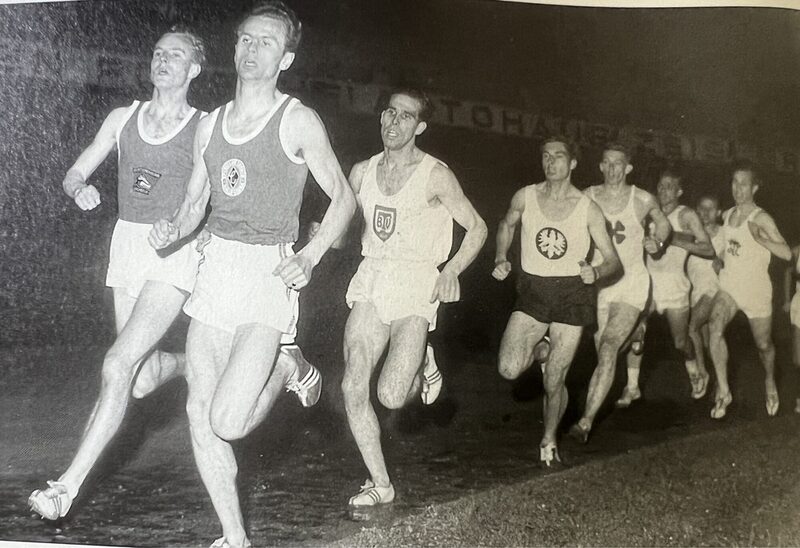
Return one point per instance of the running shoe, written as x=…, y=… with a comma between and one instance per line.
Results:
x=773, y=402
x=629, y=395
x=372, y=495
x=699, y=385
x=721, y=406
x=309, y=388
x=548, y=455
x=541, y=352
x=431, y=378
x=51, y=503
x=222, y=542
x=579, y=433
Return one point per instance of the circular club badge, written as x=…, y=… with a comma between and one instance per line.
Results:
x=234, y=177
x=551, y=243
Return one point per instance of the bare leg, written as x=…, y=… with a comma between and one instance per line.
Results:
x=519, y=340
x=620, y=322
x=633, y=363
x=564, y=341
x=701, y=311
x=678, y=320
x=364, y=341
x=762, y=334
x=723, y=309
x=207, y=352
x=141, y=324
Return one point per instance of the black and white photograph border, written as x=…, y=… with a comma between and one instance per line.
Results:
x=690, y=87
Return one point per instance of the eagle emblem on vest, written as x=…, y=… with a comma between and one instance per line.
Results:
x=551, y=243
x=383, y=221
x=233, y=177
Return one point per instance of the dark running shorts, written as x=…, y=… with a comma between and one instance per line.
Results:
x=559, y=299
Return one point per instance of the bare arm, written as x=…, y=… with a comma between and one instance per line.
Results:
x=74, y=183
x=661, y=227
x=597, y=230
x=306, y=137
x=788, y=278
x=695, y=240
x=505, y=235
x=444, y=186
x=198, y=190
x=767, y=234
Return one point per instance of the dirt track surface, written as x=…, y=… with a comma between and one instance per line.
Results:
x=297, y=471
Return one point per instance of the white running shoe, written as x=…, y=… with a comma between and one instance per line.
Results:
x=773, y=402
x=222, y=542
x=548, y=455
x=541, y=352
x=721, y=406
x=699, y=385
x=628, y=397
x=372, y=495
x=309, y=388
x=51, y=503
x=431, y=378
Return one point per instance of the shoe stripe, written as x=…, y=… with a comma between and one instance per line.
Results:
x=373, y=494
x=433, y=377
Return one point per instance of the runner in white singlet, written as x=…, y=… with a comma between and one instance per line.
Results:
x=751, y=238
x=621, y=302
x=703, y=273
x=671, y=285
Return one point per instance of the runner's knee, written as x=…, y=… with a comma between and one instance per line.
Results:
x=117, y=370
x=227, y=423
x=391, y=393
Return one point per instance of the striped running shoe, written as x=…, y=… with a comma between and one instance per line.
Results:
x=372, y=495
x=309, y=387
x=431, y=378
x=51, y=503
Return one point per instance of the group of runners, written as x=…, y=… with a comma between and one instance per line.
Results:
x=237, y=276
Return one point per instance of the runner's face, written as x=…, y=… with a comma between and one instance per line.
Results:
x=668, y=190
x=742, y=187
x=614, y=167
x=173, y=63
x=400, y=123
x=261, y=49
x=708, y=211
x=556, y=162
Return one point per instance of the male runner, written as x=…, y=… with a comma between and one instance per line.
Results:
x=154, y=140
x=751, y=238
x=703, y=274
x=555, y=288
x=671, y=286
x=621, y=301
x=252, y=157
x=409, y=200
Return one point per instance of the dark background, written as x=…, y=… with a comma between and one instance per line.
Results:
x=730, y=73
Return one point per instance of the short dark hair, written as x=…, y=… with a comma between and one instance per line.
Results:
x=713, y=197
x=197, y=43
x=618, y=146
x=277, y=9
x=426, y=108
x=747, y=165
x=572, y=147
x=673, y=173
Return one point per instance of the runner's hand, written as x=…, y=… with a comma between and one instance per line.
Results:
x=295, y=271
x=202, y=240
x=87, y=197
x=588, y=273
x=652, y=246
x=501, y=270
x=162, y=234
x=447, y=288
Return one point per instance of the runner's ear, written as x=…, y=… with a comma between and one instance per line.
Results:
x=628, y=169
x=422, y=126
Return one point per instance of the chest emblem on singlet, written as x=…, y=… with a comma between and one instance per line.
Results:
x=383, y=221
x=234, y=177
x=734, y=247
x=616, y=231
x=144, y=180
x=551, y=243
